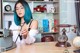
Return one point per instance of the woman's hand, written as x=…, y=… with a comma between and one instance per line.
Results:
x=24, y=33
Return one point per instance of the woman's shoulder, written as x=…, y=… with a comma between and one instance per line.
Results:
x=34, y=21
x=34, y=24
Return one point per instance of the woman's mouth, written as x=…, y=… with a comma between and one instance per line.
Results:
x=20, y=13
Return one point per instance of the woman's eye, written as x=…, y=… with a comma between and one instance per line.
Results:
x=22, y=8
x=19, y=8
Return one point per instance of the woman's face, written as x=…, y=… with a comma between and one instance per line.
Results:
x=20, y=10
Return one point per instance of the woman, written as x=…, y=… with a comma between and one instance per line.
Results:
x=24, y=22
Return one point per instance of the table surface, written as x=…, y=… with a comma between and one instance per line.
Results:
x=42, y=47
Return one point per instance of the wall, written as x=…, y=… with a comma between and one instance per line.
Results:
x=67, y=15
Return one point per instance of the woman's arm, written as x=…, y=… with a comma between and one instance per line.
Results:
x=34, y=24
x=29, y=35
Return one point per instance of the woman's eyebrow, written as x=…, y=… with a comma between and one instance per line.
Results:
x=19, y=7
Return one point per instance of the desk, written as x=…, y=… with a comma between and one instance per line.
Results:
x=43, y=47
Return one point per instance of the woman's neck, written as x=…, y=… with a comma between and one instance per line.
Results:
x=22, y=20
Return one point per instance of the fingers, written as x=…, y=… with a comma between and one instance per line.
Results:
x=24, y=33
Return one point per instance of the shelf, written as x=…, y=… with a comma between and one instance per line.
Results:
x=9, y=1
x=8, y=12
x=33, y=1
x=49, y=32
x=46, y=13
x=13, y=1
x=47, y=1
x=33, y=13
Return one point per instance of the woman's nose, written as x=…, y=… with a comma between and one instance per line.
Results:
x=19, y=10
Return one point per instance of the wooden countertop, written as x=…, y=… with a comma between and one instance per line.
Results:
x=42, y=47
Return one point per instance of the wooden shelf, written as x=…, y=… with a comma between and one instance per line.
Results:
x=9, y=12
x=13, y=1
x=9, y=0
x=49, y=32
x=47, y=12
x=47, y=1
x=33, y=13
x=33, y=1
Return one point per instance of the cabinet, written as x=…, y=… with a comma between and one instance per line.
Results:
x=40, y=10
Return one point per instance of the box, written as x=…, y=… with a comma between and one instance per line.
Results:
x=45, y=25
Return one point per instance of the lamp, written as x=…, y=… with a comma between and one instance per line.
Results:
x=62, y=39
